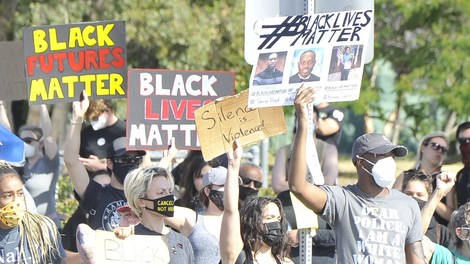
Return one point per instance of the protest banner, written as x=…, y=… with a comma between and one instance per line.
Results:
x=135, y=249
x=12, y=79
x=161, y=105
x=226, y=119
x=325, y=51
x=63, y=60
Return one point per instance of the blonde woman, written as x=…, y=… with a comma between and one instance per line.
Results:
x=149, y=192
x=25, y=237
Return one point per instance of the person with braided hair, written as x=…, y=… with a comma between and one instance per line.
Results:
x=25, y=237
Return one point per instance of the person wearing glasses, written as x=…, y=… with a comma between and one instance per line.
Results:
x=432, y=151
x=365, y=216
x=305, y=65
x=463, y=176
x=41, y=170
x=251, y=180
x=418, y=185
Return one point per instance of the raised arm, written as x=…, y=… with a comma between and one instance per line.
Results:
x=50, y=146
x=444, y=183
x=279, y=172
x=76, y=169
x=309, y=194
x=231, y=243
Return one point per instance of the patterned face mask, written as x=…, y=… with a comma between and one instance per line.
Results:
x=12, y=213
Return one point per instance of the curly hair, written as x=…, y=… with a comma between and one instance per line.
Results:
x=99, y=106
x=460, y=217
x=253, y=230
x=39, y=232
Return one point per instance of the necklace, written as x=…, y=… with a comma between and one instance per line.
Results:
x=372, y=209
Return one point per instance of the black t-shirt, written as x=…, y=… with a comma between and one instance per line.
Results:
x=338, y=115
x=463, y=186
x=96, y=142
x=101, y=203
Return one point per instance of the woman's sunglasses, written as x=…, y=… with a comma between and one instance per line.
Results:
x=437, y=147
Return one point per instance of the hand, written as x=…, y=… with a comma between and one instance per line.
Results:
x=172, y=150
x=93, y=163
x=79, y=107
x=236, y=154
x=123, y=232
x=445, y=181
x=305, y=96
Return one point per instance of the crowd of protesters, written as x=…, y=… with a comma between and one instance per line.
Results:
x=421, y=216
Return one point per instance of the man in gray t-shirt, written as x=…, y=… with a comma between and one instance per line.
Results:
x=372, y=222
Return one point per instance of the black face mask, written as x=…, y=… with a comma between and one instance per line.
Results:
x=273, y=233
x=120, y=170
x=164, y=205
x=217, y=197
x=245, y=192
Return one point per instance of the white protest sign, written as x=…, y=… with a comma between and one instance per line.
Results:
x=324, y=50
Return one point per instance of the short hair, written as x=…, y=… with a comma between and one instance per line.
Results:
x=308, y=51
x=137, y=183
x=461, y=127
x=35, y=129
x=97, y=107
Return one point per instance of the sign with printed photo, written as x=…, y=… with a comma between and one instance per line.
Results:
x=161, y=105
x=324, y=50
x=63, y=60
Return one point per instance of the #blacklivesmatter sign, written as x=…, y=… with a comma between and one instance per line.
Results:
x=63, y=60
x=161, y=105
x=324, y=50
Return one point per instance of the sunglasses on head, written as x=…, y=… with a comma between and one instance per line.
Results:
x=463, y=141
x=29, y=140
x=417, y=175
x=247, y=181
x=126, y=159
x=437, y=147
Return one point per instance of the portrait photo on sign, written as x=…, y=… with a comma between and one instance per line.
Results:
x=346, y=63
x=270, y=68
x=306, y=65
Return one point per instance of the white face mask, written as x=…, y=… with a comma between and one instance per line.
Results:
x=29, y=151
x=99, y=124
x=383, y=171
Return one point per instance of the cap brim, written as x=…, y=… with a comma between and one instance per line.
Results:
x=121, y=152
x=124, y=208
x=399, y=151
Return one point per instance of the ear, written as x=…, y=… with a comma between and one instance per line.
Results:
x=109, y=163
x=141, y=203
x=458, y=232
x=207, y=190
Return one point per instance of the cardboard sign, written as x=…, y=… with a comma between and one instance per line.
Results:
x=221, y=122
x=325, y=51
x=63, y=60
x=134, y=249
x=12, y=78
x=161, y=105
